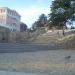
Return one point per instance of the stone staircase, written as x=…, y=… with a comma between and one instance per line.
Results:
x=13, y=48
x=48, y=37
x=46, y=41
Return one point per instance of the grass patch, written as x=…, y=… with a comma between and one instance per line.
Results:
x=68, y=42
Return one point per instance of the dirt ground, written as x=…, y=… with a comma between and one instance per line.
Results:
x=38, y=62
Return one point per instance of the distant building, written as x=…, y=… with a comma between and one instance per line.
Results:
x=23, y=27
x=9, y=19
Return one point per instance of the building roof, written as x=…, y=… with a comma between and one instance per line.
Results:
x=11, y=10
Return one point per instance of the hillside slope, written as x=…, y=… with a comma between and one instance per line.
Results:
x=63, y=41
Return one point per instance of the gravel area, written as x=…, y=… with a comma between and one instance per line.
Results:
x=43, y=62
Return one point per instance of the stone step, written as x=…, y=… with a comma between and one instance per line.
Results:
x=18, y=73
x=25, y=47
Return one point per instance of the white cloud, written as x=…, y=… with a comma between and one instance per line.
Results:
x=31, y=14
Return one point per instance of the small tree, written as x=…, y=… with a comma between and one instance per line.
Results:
x=40, y=22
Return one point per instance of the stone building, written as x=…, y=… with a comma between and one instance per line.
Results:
x=9, y=19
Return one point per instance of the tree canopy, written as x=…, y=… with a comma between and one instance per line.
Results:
x=40, y=22
x=23, y=27
x=62, y=11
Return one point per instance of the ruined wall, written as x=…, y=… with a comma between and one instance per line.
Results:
x=19, y=37
x=14, y=37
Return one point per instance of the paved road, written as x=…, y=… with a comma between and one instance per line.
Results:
x=9, y=48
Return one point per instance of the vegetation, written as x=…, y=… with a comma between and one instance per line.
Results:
x=40, y=22
x=62, y=12
x=23, y=27
x=68, y=42
x=72, y=27
x=31, y=30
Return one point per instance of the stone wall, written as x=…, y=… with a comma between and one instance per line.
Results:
x=19, y=37
x=12, y=37
x=15, y=37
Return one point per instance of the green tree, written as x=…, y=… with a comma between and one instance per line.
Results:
x=62, y=11
x=40, y=22
x=43, y=19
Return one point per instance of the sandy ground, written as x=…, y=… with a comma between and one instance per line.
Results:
x=38, y=62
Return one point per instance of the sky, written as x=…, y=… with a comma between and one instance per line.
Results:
x=30, y=10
